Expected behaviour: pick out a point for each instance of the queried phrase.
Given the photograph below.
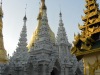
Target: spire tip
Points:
(1, 3)
(60, 14)
(25, 9)
(43, 4)
(25, 18)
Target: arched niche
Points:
(30, 69)
(56, 69)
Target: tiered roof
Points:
(86, 41)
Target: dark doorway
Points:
(52, 73)
(55, 72)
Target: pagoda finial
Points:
(60, 14)
(39, 15)
(43, 1)
(39, 5)
(25, 18)
(60, 21)
(3, 54)
(25, 9)
(22, 50)
(1, 2)
(43, 4)
(1, 13)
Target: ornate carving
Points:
(94, 67)
(91, 69)
(85, 47)
(84, 41)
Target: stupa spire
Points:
(35, 36)
(43, 4)
(61, 31)
(60, 14)
(23, 34)
(1, 12)
(25, 18)
(60, 21)
(3, 55)
(62, 41)
(44, 20)
(44, 35)
(1, 3)
(63, 44)
(21, 53)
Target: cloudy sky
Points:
(14, 11)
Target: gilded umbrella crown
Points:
(43, 4)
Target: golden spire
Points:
(43, 4)
(40, 12)
(3, 55)
(1, 15)
(36, 33)
(1, 12)
(43, 7)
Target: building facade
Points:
(87, 43)
(45, 54)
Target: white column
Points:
(66, 71)
(48, 73)
(44, 69)
(60, 52)
(62, 71)
(35, 71)
(25, 73)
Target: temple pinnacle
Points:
(1, 13)
(1, 2)
(60, 14)
(43, 1)
(3, 53)
(25, 18)
(43, 4)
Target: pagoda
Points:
(3, 54)
(87, 43)
(36, 33)
(21, 53)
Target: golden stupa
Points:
(3, 54)
(87, 43)
(35, 34)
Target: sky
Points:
(14, 11)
